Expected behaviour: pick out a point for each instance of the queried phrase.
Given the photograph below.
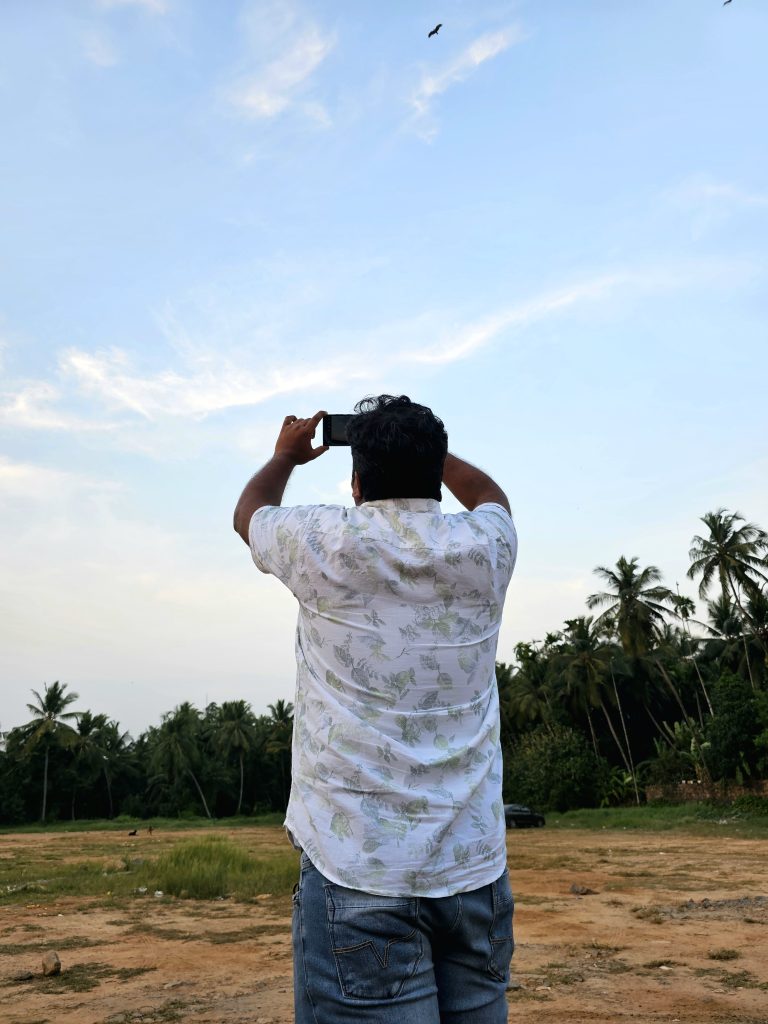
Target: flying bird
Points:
(726, 2)
(437, 27)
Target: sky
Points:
(549, 222)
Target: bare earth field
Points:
(675, 930)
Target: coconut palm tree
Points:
(733, 555)
(235, 732)
(280, 738)
(50, 725)
(116, 756)
(583, 665)
(528, 697)
(635, 600)
(86, 753)
(175, 751)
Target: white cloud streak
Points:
(433, 84)
(208, 381)
(99, 49)
(297, 48)
(35, 405)
(151, 6)
(39, 483)
(699, 191)
(202, 390)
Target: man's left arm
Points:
(293, 448)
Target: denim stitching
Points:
(297, 905)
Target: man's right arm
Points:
(471, 486)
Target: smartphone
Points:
(335, 428)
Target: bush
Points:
(750, 803)
(216, 867)
(555, 769)
(738, 731)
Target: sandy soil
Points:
(676, 930)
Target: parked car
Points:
(518, 816)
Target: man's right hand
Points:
(295, 439)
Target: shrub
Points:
(750, 803)
(738, 731)
(216, 867)
(555, 769)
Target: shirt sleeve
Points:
(274, 536)
(500, 527)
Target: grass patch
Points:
(72, 942)
(724, 954)
(700, 818)
(215, 868)
(651, 914)
(79, 978)
(206, 867)
(124, 824)
(731, 979)
(173, 1010)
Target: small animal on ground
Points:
(134, 833)
(437, 28)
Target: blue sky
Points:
(549, 223)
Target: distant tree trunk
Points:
(626, 739)
(240, 799)
(199, 790)
(109, 792)
(45, 785)
(592, 732)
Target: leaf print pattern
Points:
(396, 774)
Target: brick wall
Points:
(687, 792)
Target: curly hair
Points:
(398, 448)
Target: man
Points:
(403, 911)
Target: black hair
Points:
(398, 448)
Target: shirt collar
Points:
(405, 504)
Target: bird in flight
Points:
(726, 2)
(437, 27)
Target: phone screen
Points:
(335, 428)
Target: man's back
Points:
(396, 760)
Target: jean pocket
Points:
(376, 943)
(500, 933)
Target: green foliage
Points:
(752, 805)
(216, 867)
(554, 769)
(738, 729)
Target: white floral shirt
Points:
(396, 755)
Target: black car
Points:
(517, 816)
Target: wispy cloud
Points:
(433, 84)
(702, 190)
(36, 405)
(152, 6)
(99, 49)
(711, 203)
(28, 480)
(287, 53)
(206, 380)
(201, 390)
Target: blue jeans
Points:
(400, 960)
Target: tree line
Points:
(649, 689)
(70, 764)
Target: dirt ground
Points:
(675, 930)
